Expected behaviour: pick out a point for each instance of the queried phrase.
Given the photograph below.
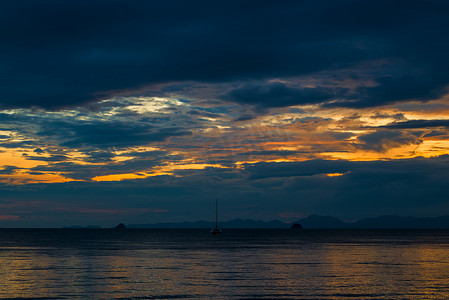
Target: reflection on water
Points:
(331, 264)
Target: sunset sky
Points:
(147, 111)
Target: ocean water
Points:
(239, 264)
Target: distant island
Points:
(317, 222)
(120, 227)
(296, 226)
(310, 222)
(236, 223)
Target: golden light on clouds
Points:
(119, 177)
(153, 104)
(432, 148)
(159, 171)
(288, 134)
(15, 157)
(25, 178)
(335, 174)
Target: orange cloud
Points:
(334, 174)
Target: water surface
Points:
(239, 264)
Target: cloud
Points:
(116, 134)
(393, 89)
(418, 124)
(278, 94)
(411, 186)
(51, 158)
(21, 144)
(94, 131)
(382, 141)
(208, 91)
(8, 170)
(293, 169)
(136, 162)
(50, 59)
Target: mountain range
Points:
(316, 222)
(236, 223)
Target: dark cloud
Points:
(99, 156)
(287, 169)
(8, 170)
(139, 162)
(66, 53)
(48, 159)
(441, 135)
(39, 151)
(278, 95)
(391, 89)
(224, 60)
(107, 134)
(382, 141)
(407, 187)
(22, 144)
(202, 113)
(270, 152)
(398, 116)
(417, 124)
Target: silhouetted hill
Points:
(236, 223)
(120, 227)
(197, 224)
(394, 221)
(82, 227)
(296, 226)
(315, 221)
(248, 223)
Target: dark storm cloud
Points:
(403, 87)
(270, 152)
(319, 166)
(416, 124)
(106, 134)
(48, 159)
(8, 170)
(99, 156)
(287, 169)
(434, 133)
(66, 53)
(39, 151)
(202, 113)
(278, 94)
(141, 162)
(410, 186)
(22, 144)
(398, 116)
(382, 141)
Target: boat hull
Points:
(216, 231)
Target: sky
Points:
(147, 111)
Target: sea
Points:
(238, 264)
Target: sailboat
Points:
(216, 230)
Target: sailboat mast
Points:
(216, 230)
(216, 213)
